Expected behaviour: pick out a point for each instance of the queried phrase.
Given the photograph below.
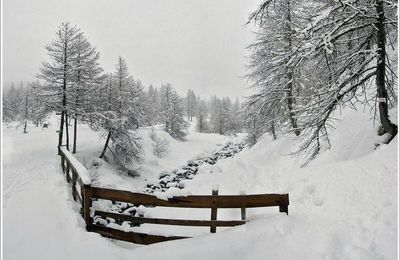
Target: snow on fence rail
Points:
(88, 193)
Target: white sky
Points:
(197, 44)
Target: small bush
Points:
(160, 146)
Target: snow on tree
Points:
(59, 74)
(274, 66)
(202, 116)
(150, 102)
(349, 41)
(23, 104)
(13, 100)
(87, 75)
(237, 120)
(120, 119)
(25, 108)
(221, 115)
(257, 123)
(38, 109)
(172, 112)
(191, 104)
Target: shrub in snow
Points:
(160, 145)
(127, 148)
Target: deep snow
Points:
(342, 206)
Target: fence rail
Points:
(86, 194)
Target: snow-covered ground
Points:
(196, 145)
(342, 206)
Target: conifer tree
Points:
(58, 74)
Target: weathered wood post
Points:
(87, 204)
(83, 200)
(243, 209)
(74, 177)
(62, 162)
(67, 172)
(213, 227)
(284, 204)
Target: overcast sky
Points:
(197, 44)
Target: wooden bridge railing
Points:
(75, 174)
(213, 202)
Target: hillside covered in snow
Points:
(342, 206)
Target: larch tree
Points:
(202, 116)
(172, 112)
(349, 43)
(13, 100)
(257, 123)
(153, 105)
(58, 74)
(87, 75)
(274, 65)
(191, 104)
(26, 104)
(38, 109)
(120, 120)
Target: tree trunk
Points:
(26, 111)
(60, 132)
(289, 88)
(64, 101)
(273, 126)
(66, 130)
(106, 145)
(291, 102)
(254, 129)
(75, 132)
(76, 117)
(380, 73)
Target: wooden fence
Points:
(86, 193)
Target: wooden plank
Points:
(194, 201)
(175, 222)
(134, 237)
(213, 227)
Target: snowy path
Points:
(40, 219)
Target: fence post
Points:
(213, 227)
(62, 162)
(243, 209)
(83, 200)
(284, 204)
(74, 176)
(67, 172)
(87, 204)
